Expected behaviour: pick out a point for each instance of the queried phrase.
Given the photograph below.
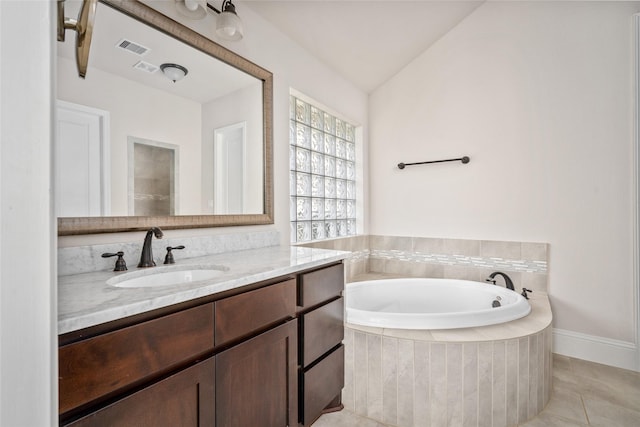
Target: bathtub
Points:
(412, 303)
(416, 353)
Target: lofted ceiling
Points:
(366, 41)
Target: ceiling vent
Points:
(132, 47)
(145, 66)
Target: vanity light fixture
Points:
(192, 9)
(174, 72)
(228, 25)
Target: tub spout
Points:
(507, 280)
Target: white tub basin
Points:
(148, 279)
(414, 303)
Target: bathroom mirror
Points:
(137, 149)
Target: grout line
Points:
(584, 408)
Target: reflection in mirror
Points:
(133, 142)
(153, 181)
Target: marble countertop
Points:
(86, 299)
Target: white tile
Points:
(567, 404)
(470, 385)
(604, 414)
(360, 373)
(485, 384)
(533, 376)
(345, 418)
(406, 377)
(512, 381)
(374, 376)
(389, 380)
(421, 407)
(504, 250)
(523, 379)
(499, 384)
(438, 384)
(462, 247)
(347, 391)
(454, 384)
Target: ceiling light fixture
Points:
(174, 72)
(229, 26)
(192, 9)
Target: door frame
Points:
(104, 118)
(636, 189)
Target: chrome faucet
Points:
(507, 280)
(146, 258)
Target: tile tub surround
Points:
(526, 263)
(85, 259)
(497, 375)
(358, 262)
(86, 300)
(584, 394)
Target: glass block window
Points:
(322, 156)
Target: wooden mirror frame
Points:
(112, 224)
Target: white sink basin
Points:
(145, 279)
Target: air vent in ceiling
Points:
(132, 47)
(145, 66)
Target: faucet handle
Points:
(121, 265)
(168, 259)
(490, 280)
(524, 292)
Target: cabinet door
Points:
(185, 399)
(256, 381)
(322, 329)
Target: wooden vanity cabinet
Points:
(270, 356)
(182, 369)
(321, 331)
(256, 381)
(183, 399)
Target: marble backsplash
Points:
(85, 259)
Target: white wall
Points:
(28, 362)
(539, 95)
(292, 67)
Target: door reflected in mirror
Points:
(132, 142)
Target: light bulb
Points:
(228, 31)
(192, 9)
(192, 5)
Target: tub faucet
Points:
(146, 258)
(507, 280)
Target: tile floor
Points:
(584, 394)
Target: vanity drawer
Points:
(323, 329)
(183, 399)
(101, 365)
(321, 285)
(251, 311)
(322, 384)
